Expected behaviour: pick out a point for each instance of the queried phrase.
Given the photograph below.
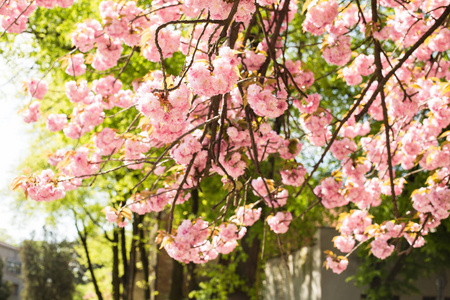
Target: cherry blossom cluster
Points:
(195, 242)
(14, 13)
(206, 80)
(240, 101)
(43, 187)
(37, 89)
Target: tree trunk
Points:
(132, 262)
(83, 239)
(176, 287)
(158, 220)
(115, 271)
(248, 269)
(125, 264)
(144, 260)
(191, 276)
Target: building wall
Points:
(12, 268)
(303, 276)
(429, 288)
(333, 285)
(295, 278)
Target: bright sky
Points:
(16, 138)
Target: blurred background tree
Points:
(5, 287)
(47, 268)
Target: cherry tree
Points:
(240, 100)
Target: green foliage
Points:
(101, 257)
(5, 287)
(385, 279)
(222, 278)
(51, 28)
(47, 271)
(397, 274)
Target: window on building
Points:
(13, 266)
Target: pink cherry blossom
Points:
(319, 16)
(294, 177)
(44, 187)
(56, 122)
(338, 51)
(37, 88)
(32, 114)
(248, 215)
(344, 243)
(308, 105)
(264, 103)
(337, 265)
(381, 249)
(76, 66)
(280, 222)
(328, 191)
(107, 141)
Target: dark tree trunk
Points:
(115, 272)
(132, 262)
(144, 260)
(191, 276)
(176, 287)
(158, 219)
(83, 238)
(248, 269)
(124, 263)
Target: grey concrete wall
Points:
(429, 288)
(333, 285)
(305, 278)
(295, 278)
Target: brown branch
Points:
(83, 238)
(172, 209)
(411, 50)
(15, 21)
(161, 56)
(170, 147)
(379, 74)
(335, 134)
